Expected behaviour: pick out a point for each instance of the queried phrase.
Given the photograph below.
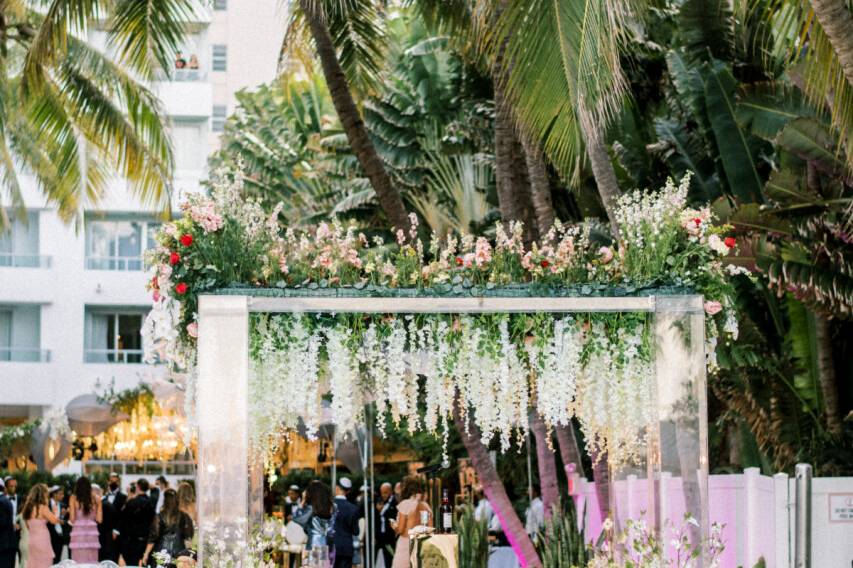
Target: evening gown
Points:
(411, 509)
(39, 547)
(84, 537)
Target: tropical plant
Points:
(69, 114)
(473, 538)
(562, 541)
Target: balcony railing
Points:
(125, 263)
(113, 356)
(184, 75)
(24, 355)
(24, 260)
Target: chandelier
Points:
(150, 434)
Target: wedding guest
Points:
(193, 61)
(115, 496)
(57, 532)
(398, 491)
(291, 502)
(316, 514)
(36, 514)
(386, 538)
(107, 528)
(345, 524)
(8, 544)
(135, 525)
(186, 499)
(12, 494)
(535, 514)
(85, 514)
(408, 516)
(180, 62)
(172, 529)
(160, 485)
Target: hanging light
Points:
(151, 434)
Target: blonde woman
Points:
(36, 515)
(186, 499)
(408, 517)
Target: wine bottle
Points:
(446, 513)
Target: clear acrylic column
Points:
(671, 479)
(223, 444)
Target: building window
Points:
(114, 335)
(219, 61)
(20, 334)
(19, 243)
(220, 113)
(220, 5)
(117, 244)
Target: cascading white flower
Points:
(557, 368)
(343, 381)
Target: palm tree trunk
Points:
(826, 374)
(837, 23)
(547, 465)
(601, 475)
(493, 487)
(339, 90)
(540, 185)
(569, 449)
(605, 177)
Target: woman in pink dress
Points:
(408, 517)
(86, 514)
(36, 513)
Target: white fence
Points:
(758, 516)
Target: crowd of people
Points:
(339, 522)
(93, 524)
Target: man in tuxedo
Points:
(57, 532)
(135, 524)
(12, 494)
(8, 542)
(161, 484)
(346, 524)
(107, 527)
(386, 511)
(115, 495)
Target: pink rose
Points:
(192, 329)
(712, 308)
(606, 254)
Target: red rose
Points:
(186, 240)
(730, 242)
(174, 258)
(697, 220)
(459, 261)
(181, 287)
(154, 284)
(544, 264)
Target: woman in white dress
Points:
(408, 516)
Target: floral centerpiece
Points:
(596, 367)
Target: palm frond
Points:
(148, 33)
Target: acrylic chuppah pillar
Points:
(673, 479)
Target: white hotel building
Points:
(72, 301)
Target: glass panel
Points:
(5, 335)
(129, 245)
(98, 337)
(111, 338)
(99, 239)
(151, 240)
(130, 338)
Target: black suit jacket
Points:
(383, 521)
(346, 526)
(119, 500)
(109, 522)
(136, 520)
(8, 541)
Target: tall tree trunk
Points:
(605, 177)
(339, 90)
(837, 23)
(540, 184)
(826, 373)
(601, 474)
(547, 465)
(494, 490)
(569, 449)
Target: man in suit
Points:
(346, 524)
(8, 543)
(135, 524)
(161, 484)
(12, 494)
(115, 495)
(57, 532)
(386, 511)
(107, 527)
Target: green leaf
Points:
(733, 143)
(765, 108)
(811, 141)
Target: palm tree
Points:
(69, 114)
(339, 88)
(836, 19)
